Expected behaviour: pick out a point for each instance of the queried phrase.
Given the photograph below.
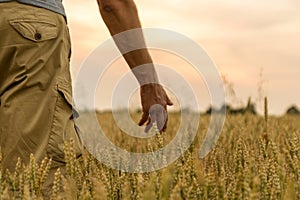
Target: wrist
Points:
(146, 74)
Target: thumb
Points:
(169, 101)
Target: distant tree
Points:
(225, 108)
(293, 110)
(209, 110)
(250, 108)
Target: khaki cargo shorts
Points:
(36, 109)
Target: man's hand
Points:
(154, 102)
(120, 16)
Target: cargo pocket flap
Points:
(35, 30)
(68, 97)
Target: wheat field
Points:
(255, 158)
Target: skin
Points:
(120, 16)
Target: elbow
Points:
(115, 6)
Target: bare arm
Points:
(120, 16)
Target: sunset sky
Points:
(244, 38)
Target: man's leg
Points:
(35, 85)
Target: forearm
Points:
(120, 16)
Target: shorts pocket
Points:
(65, 92)
(63, 126)
(35, 30)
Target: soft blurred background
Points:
(255, 44)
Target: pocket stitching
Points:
(25, 25)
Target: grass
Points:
(245, 164)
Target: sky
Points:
(255, 45)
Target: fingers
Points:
(161, 124)
(158, 114)
(144, 118)
(160, 118)
(164, 129)
(149, 124)
(154, 102)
